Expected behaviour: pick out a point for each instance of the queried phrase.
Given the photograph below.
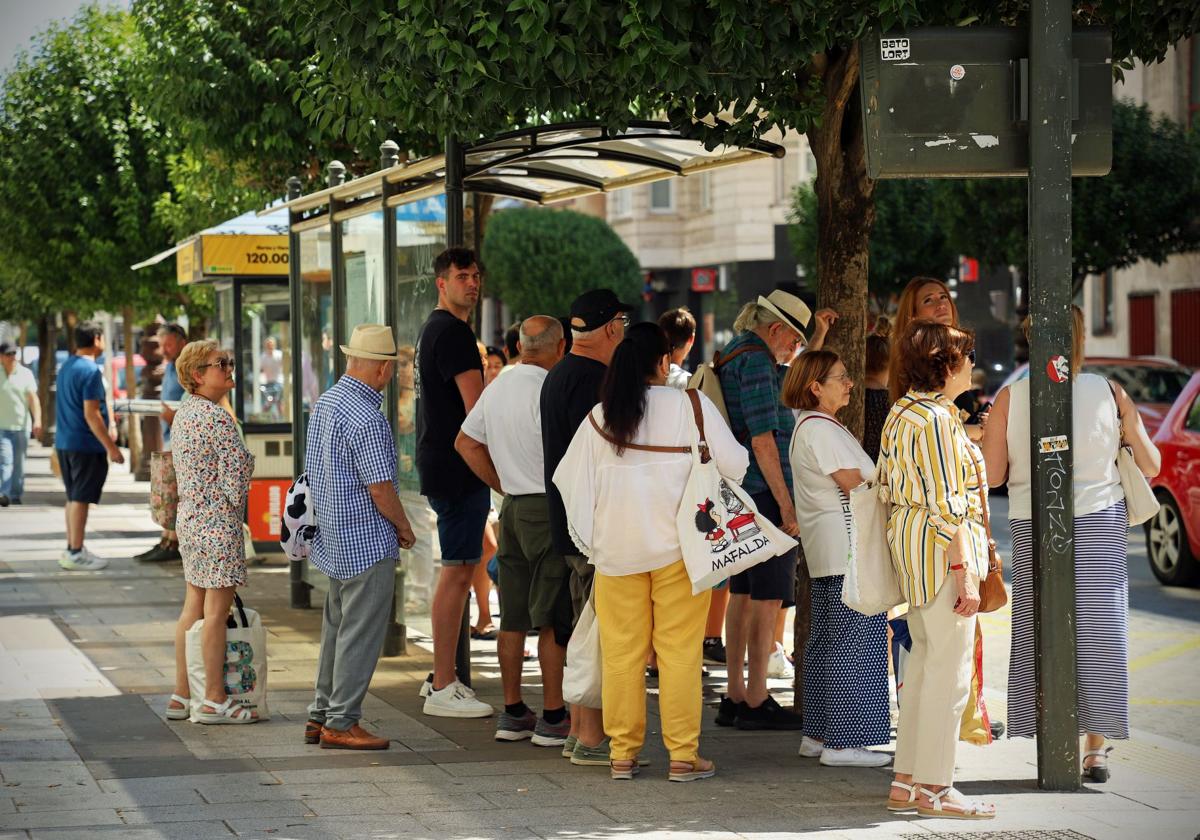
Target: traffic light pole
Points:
(1050, 68)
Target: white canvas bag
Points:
(245, 661)
(721, 532)
(582, 676)
(871, 585)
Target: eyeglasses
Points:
(841, 377)
(971, 356)
(224, 363)
(623, 318)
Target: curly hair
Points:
(191, 360)
(929, 352)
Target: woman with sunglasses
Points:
(213, 469)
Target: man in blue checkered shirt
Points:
(350, 458)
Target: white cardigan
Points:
(621, 509)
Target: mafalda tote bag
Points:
(721, 532)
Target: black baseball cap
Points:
(595, 308)
(7, 349)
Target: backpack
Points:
(299, 524)
(707, 378)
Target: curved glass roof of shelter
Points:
(543, 164)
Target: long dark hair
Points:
(623, 394)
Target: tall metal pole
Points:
(337, 269)
(300, 597)
(1050, 68)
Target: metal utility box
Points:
(953, 102)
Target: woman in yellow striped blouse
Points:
(939, 548)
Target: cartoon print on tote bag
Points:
(741, 524)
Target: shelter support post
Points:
(300, 589)
(1050, 392)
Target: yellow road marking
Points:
(1156, 701)
(1163, 654)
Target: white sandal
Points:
(227, 712)
(1098, 772)
(179, 714)
(964, 809)
(907, 805)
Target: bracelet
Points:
(958, 567)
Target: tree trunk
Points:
(845, 215)
(47, 363)
(134, 429)
(69, 320)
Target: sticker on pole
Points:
(957, 72)
(1058, 369)
(1054, 443)
(893, 49)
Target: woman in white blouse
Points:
(845, 659)
(621, 502)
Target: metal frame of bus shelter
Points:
(541, 164)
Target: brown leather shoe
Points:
(354, 738)
(312, 732)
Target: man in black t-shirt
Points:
(571, 390)
(448, 381)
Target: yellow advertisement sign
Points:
(186, 262)
(227, 255)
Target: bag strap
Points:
(241, 609)
(1120, 430)
(698, 416)
(720, 361)
(681, 450)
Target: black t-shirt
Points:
(445, 348)
(571, 390)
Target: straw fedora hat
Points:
(787, 308)
(372, 341)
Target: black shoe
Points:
(651, 672)
(16, 501)
(727, 712)
(714, 650)
(997, 728)
(152, 554)
(4, 501)
(172, 553)
(770, 715)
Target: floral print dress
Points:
(213, 469)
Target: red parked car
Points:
(1173, 535)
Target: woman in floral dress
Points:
(213, 469)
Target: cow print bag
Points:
(299, 520)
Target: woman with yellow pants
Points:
(622, 481)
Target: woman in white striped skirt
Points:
(1104, 417)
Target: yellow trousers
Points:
(634, 610)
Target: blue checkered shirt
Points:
(350, 446)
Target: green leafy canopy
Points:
(539, 260)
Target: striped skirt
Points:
(1102, 626)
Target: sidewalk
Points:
(86, 664)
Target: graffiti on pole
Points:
(1057, 537)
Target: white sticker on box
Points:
(893, 49)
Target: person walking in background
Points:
(876, 400)
(643, 597)
(85, 441)
(20, 414)
(172, 338)
(845, 659)
(939, 547)
(449, 381)
(680, 327)
(494, 361)
(501, 441)
(350, 457)
(572, 388)
(768, 333)
(1104, 417)
(213, 468)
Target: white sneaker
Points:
(778, 667)
(81, 561)
(854, 757)
(810, 747)
(427, 687)
(456, 701)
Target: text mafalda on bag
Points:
(731, 530)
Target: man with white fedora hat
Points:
(350, 457)
(768, 335)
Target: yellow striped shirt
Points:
(933, 473)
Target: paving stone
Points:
(263, 792)
(148, 786)
(62, 819)
(393, 827)
(206, 830)
(224, 811)
(421, 773)
(26, 750)
(503, 768)
(416, 805)
(65, 799)
(503, 818)
(44, 773)
(514, 784)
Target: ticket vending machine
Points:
(245, 261)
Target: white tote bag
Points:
(720, 530)
(1140, 501)
(871, 585)
(582, 675)
(245, 661)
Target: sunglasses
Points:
(225, 363)
(971, 356)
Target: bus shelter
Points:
(362, 252)
(245, 262)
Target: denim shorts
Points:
(460, 522)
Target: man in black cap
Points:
(571, 390)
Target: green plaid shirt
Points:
(751, 385)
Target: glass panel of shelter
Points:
(316, 320)
(226, 325)
(266, 365)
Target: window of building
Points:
(705, 191)
(1194, 83)
(662, 196)
(781, 180)
(620, 204)
(1102, 303)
